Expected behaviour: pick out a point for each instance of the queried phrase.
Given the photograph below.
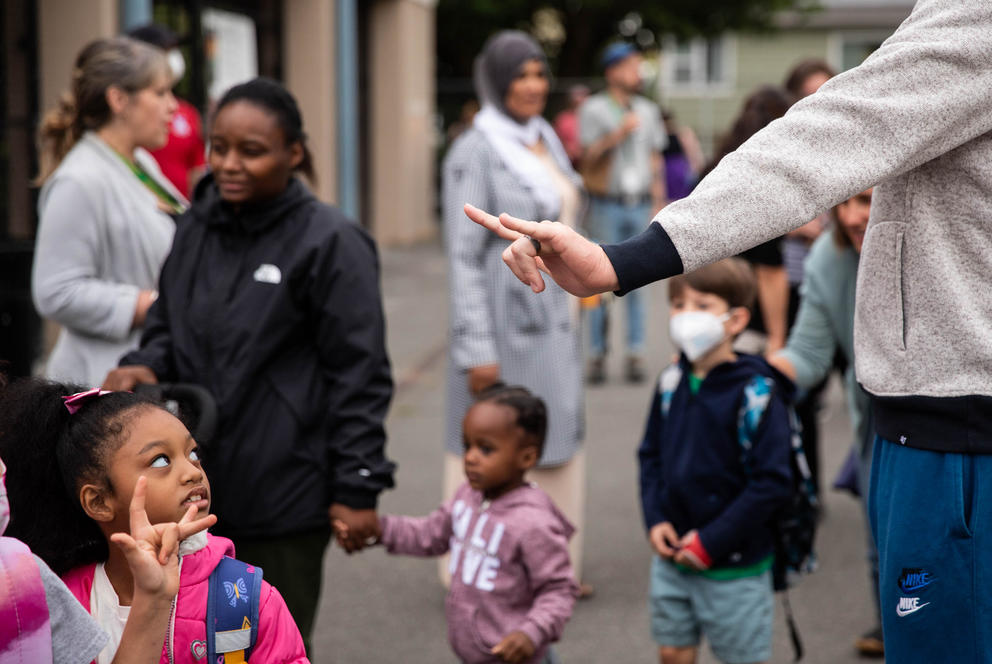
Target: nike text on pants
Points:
(931, 514)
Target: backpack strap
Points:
(668, 382)
(232, 610)
(754, 403)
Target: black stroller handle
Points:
(191, 403)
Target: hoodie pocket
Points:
(485, 635)
(881, 294)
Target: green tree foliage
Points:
(582, 27)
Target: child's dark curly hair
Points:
(532, 415)
(49, 455)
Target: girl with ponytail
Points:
(105, 209)
(94, 475)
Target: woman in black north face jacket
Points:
(270, 299)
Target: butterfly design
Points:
(235, 591)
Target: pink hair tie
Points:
(74, 402)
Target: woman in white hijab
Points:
(511, 160)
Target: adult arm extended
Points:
(349, 331)
(809, 353)
(66, 281)
(925, 91)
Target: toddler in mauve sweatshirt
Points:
(512, 587)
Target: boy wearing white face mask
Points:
(707, 503)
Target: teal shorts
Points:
(734, 615)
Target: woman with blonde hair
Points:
(105, 209)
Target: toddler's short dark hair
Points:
(730, 279)
(532, 415)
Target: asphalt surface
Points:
(384, 609)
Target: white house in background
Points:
(704, 81)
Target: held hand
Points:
(576, 264)
(515, 647)
(123, 379)
(687, 555)
(152, 551)
(664, 539)
(355, 529)
(479, 378)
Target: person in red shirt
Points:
(182, 157)
(567, 123)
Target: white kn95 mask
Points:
(697, 332)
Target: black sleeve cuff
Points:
(644, 258)
(356, 499)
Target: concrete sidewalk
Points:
(382, 609)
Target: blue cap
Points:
(616, 52)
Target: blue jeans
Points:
(609, 223)
(932, 519)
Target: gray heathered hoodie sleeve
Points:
(924, 92)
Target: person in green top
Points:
(706, 509)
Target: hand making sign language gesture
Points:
(576, 264)
(152, 554)
(152, 551)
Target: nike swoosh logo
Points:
(903, 613)
(913, 588)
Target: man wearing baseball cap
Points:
(622, 137)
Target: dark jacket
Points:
(691, 468)
(276, 311)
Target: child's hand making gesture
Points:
(152, 551)
(515, 647)
(152, 554)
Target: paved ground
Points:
(382, 609)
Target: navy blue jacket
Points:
(691, 468)
(276, 310)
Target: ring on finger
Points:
(535, 243)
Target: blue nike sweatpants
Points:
(931, 515)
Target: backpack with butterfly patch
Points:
(232, 611)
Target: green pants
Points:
(294, 565)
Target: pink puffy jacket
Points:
(278, 639)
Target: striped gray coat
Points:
(495, 319)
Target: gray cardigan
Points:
(913, 119)
(101, 240)
(495, 319)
